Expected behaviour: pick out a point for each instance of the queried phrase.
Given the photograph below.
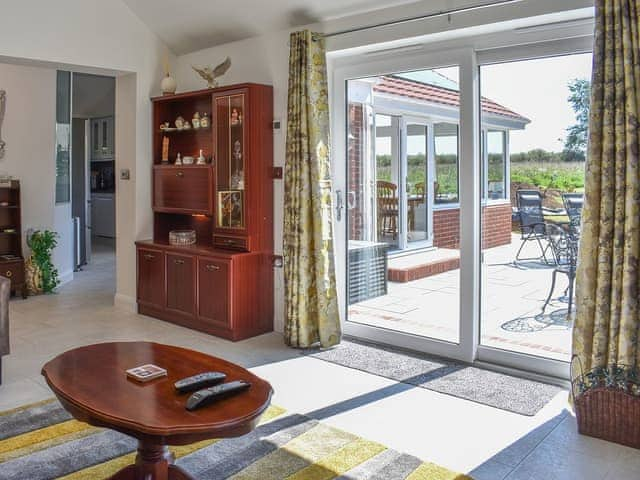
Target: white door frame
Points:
(468, 349)
(362, 67)
(430, 174)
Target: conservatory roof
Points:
(438, 94)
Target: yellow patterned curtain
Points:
(311, 306)
(607, 321)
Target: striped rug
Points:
(41, 441)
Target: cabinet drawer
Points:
(213, 291)
(14, 271)
(181, 283)
(183, 189)
(231, 242)
(151, 277)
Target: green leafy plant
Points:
(42, 243)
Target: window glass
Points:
(447, 161)
(63, 136)
(496, 164)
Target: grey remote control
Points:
(210, 395)
(199, 381)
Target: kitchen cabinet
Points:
(103, 215)
(102, 138)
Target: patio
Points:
(513, 296)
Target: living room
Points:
(235, 214)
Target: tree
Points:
(575, 145)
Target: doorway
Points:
(93, 169)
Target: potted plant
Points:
(42, 276)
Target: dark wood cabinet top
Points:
(197, 249)
(92, 383)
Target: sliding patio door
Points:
(401, 289)
(457, 133)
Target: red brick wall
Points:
(446, 228)
(355, 187)
(496, 226)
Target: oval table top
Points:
(91, 382)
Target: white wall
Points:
(101, 37)
(264, 59)
(29, 131)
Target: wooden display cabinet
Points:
(11, 259)
(224, 283)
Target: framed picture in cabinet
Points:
(230, 209)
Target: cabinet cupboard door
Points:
(151, 277)
(213, 291)
(181, 283)
(183, 190)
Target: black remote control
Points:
(210, 395)
(201, 380)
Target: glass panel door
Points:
(418, 184)
(535, 162)
(401, 283)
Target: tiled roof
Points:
(435, 94)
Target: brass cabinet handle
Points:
(148, 256)
(178, 261)
(8, 274)
(229, 241)
(212, 268)
(180, 174)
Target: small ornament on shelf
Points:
(165, 150)
(204, 121)
(195, 121)
(235, 117)
(168, 84)
(201, 159)
(179, 123)
(178, 159)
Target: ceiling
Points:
(189, 26)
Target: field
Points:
(550, 177)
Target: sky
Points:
(537, 89)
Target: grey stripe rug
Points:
(506, 392)
(42, 442)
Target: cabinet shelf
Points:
(174, 131)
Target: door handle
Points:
(339, 205)
(178, 261)
(148, 256)
(180, 174)
(212, 268)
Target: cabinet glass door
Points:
(230, 116)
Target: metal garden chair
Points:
(532, 224)
(564, 247)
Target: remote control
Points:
(201, 380)
(209, 395)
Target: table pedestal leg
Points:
(153, 462)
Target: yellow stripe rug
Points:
(41, 441)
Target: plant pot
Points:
(33, 276)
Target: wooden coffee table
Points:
(92, 385)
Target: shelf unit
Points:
(11, 258)
(223, 284)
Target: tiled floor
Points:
(461, 435)
(513, 295)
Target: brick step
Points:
(400, 272)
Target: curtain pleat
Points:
(311, 306)
(607, 325)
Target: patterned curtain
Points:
(607, 321)
(311, 306)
